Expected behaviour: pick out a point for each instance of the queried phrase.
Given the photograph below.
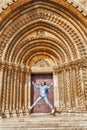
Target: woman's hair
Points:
(44, 82)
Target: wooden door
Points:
(41, 107)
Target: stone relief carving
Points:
(74, 89)
(59, 22)
(79, 4)
(41, 63)
(40, 33)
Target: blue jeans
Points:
(45, 99)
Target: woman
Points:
(43, 95)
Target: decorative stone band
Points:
(79, 6)
(14, 66)
(6, 3)
(79, 63)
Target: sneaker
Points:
(30, 107)
(53, 110)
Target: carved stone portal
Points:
(40, 38)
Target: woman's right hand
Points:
(33, 82)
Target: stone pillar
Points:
(8, 70)
(81, 94)
(67, 89)
(11, 90)
(29, 88)
(27, 93)
(14, 114)
(4, 91)
(75, 88)
(56, 91)
(1, 89)
(20, 112)
(17, 92)
(84, 69)
(72, 89)
(61, 90)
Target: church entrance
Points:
(41, 107)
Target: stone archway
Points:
(43, 30)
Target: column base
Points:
(20, 112)
(7, 114)
(13, 113)
(26, 111)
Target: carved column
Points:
(26, 92)
(72, 90)
(11, 90)
(14, 114)
(4, 91)
(7, 114)
(67, 89)
(81, 98)
(1, 86)
(56, 90)
(75, 89)
(85, 83)
(23, 90)
(17, 89)
(20, 112)
(61, 90)
(29, 86)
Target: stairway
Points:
(45, 121)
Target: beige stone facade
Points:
(43, 37)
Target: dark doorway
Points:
(41, 107)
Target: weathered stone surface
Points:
(43, 37)
(61, 121)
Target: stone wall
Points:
(39, 31)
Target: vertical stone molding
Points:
(29, 87)
(81, 99)
(61, 90)
(8, 70)
(56, 90)
(1, 87)
(13, 112)
(84, 80)
(74, 89)
(27, 92)
(17, 92)
(67, 89)
(20, 112)
(4, 91)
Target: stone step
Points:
(44, 128)
(45, 122)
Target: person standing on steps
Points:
(43, 95)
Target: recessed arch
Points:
(67, 38)
(43, 30)
(50, 51)
(39, 56)
(52, 19)
(34, 43)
